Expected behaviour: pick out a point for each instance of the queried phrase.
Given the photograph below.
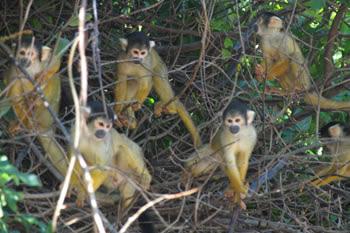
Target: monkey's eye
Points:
(143, 53)
(22, 52)
(238, 120)
(108, 126)
(229, 121)
(135, 52)
(101, 124)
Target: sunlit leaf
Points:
(74, 20)
(316, 4)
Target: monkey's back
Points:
(282, 46)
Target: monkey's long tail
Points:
(187, 120)
(54, 151)
(314, 99)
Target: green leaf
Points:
(62, 46)
(226, 53)
(37, 24)
(316, 4)
(74, 20)
(304, 124)
(228, 43)
(5, 106)
(29, 179)
(12, 197)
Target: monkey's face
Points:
(27, 55)
(138, 54)
(235, 121)
(137, 46)
(268, 24)
(100, 128)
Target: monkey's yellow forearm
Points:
(120, 92)
(232, 172)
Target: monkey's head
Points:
(335, 131)
(237, 116)
(269, 22)
(137, 46)
(100, 120)
(30, 54)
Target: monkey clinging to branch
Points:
(284, 62)
(140, 69)
(231, 148)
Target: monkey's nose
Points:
(25, 63)
(234, 129)
(100, 134)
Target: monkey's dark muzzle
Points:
(100, 134)
(234, 129)
(25, 63)
(137, 60)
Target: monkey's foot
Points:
(136, 106)
(124, 121)
(185, 177)
(80, 202)
(236, 198)
(14, 128)
(274, 91)
(160, 108)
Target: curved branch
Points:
(333, 33)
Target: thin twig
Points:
(154, 202)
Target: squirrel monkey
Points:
(101, 145)
(231, 147)
(340, 149)
(140, 69)
(284, 61)
(27, 104)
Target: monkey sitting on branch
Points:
(139, 69)
(115, 160)
(339, 147)
(230, 148)
(284, 61)
(31, 111)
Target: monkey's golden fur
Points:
(115, 159)
(27, 104)
(135, 81)
(231, 151)
(284, 61)
(340, 150)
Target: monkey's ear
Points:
(335, 131)
(152, 43)
(250, 116)
(45, 53)
(123, 43)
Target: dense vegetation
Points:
(198, 40)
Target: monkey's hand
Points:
(125, 121)
(14, 128)
(136, 106)
(236, 198)
(160, 107)
(260, 72)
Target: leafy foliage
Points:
(11, 218)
